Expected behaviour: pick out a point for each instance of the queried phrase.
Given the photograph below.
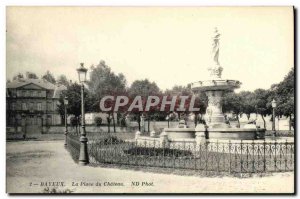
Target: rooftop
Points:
(39, 82)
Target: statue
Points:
(216, 44)
(216, 70)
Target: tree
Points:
(49, 77)
(143, 88)
(18, 76)
(200, 101)
(232, 102)
(261, 97)
(284, 95)
(105, 82)
(73, 93)
(31, 75)
(181, 91)
(62, 79)
(248, 102)
(203, 103)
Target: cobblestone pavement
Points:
(41, 166)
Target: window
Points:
(31, 106)
(13, 93)
(19, 121)
(39, 106)
(12, 120)
(44, 106)
(31, 120)
(19, 93)
(49, 120)
(24, 106)
(13, 106)
(19, 106)
(49, 106)
(35, 121)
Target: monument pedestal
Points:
(214, 115)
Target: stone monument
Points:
(216, 126)
(214, 90)
(215, 87)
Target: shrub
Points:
(108, 139)
(98, 121)
(123, 122)
(157, 152)
(112, 139)
(73, 121)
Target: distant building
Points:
(90, 117)
(31, 104)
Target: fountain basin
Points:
(180, 133)
(216, 133)
(234, 133)
(217, 84)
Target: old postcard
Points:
(150, 100)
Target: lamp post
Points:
(83, 156)
(168, 119)
(66, 102)
(273, 124)
(24, 130)
(256, 112)
(143, 123)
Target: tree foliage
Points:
(144, 88)
(18, 76)
(232, 102)
(31, 75)
(103, 81)
(73, 93)
(62, 79)
(284, 95)
(49, 77)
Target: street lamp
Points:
(24, 130)
(168, 119)
(143, 123)
(256, 112)
(66, 102)
(82, 73)
(273, 124)
(83, 156)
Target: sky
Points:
(168, 45)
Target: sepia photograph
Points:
(150, 100)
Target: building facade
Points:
(31, 105)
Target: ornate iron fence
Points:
(281, 133)
(230, 157)
(73, 146)
(217, 157)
